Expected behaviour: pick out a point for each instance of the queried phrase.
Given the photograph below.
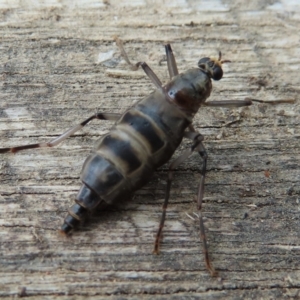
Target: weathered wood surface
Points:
(53, 76)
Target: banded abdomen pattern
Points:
(124, 159)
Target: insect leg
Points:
(59, 139)
(245, 102)
(193, 135)
(229, 103)
(149, 72)
(279, 101)
(172, 66)
(173, 165)
(197, 146)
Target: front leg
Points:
(149, 72)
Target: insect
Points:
(144, 138)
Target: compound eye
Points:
(217, 73)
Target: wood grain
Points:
(59, 65)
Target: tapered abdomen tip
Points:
(65, 229)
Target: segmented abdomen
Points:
(143, 139)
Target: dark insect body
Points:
(144, 138)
